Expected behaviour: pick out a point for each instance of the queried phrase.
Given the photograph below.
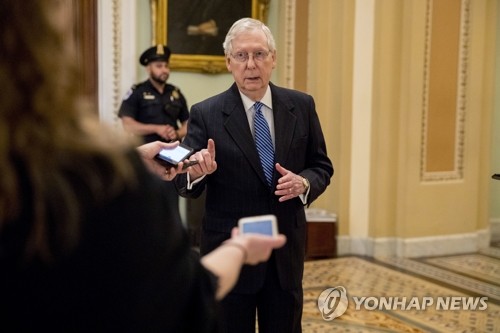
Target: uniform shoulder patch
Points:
(128, 94)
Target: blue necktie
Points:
(263, 142)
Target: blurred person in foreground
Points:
(270, 158)
(83, 243)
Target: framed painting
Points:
(194, 30)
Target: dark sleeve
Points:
(319, 168)
(197, 139)
(184, 113)
(147, 273)
(130, 104)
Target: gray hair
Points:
(245, 25)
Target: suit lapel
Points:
(236, 124)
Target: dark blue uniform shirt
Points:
(146, 105)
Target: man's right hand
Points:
(206, 161)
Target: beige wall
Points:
(495, 126)
(330, 82)
(420, 180)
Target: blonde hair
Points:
(51, 143)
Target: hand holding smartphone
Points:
(173, 156)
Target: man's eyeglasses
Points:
(260, 55)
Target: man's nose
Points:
(250, 61)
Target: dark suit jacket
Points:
(238, 187)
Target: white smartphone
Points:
(262, 224)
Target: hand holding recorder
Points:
(257, 236)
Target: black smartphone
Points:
(189, 163)
(171, 157)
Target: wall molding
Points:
(286, 44)
(116, 55)
(462, 84)
(414, 247)
(495, 229)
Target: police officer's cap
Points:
(154, 53)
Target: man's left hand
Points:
(290, 185)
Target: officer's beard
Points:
(158, 79)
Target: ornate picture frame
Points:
(195, 29)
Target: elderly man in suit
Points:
(265, 154)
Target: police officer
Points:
(155, 109)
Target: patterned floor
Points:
(396, 291)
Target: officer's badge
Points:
(175, 94)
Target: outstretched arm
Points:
(226, 260)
